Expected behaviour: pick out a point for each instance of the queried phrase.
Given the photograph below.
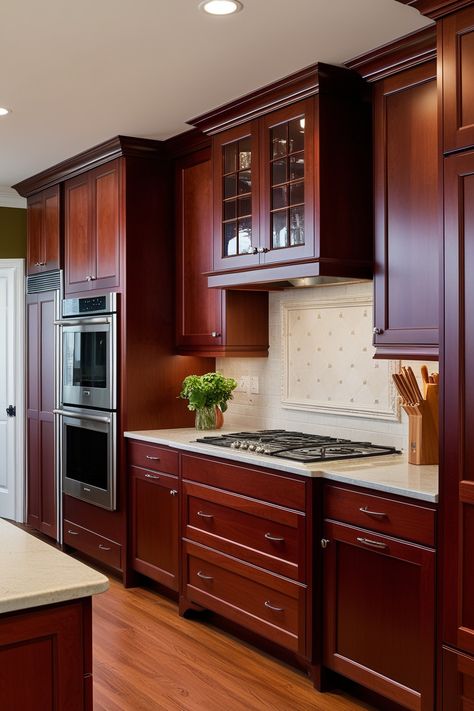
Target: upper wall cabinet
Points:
(407, 215)
(92, 229)
(457, 48)
(43, 231)
(292, 181)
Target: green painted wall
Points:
(12, 232)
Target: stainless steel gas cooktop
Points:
(298, 446)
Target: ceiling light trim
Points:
(233, 6)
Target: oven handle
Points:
(75, 415)
(84, 322)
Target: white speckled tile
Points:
(390, 473)
(33, 573)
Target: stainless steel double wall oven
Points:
(88, 396)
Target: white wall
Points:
(265, 409)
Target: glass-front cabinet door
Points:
(236, 213)
(287, 175)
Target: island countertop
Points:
(389, 473)
(34, 573)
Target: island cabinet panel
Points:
(92, 229)
(379, 603)
(46, 658)
(41, 469)
(209, 322)
(457, 486)
(43, 231)
(457, 61)
(458, 681)
(408, 224)
(247, 551)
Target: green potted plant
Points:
(205, 393)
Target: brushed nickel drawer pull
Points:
(375, 514)
(153, 459)
(375, 544)
(151, 476)
(277, 539)
(272, 607)
(104, 548)
(202, 575)
(73, 533)
(202, 514)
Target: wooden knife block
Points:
(423, 428)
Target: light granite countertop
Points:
(33, 573)
(389, 473)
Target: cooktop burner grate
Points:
(298, 446)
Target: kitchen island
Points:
(45, 625)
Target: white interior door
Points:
(12, 326)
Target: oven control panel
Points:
(89, 305)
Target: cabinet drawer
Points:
(266, 604)
(277, 489)
(168, 481)
(149, 456)
(255, 531)
(90, 543)
(396, 518)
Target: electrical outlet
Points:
(243, 384)
(254, 385)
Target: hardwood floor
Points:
(147, 658)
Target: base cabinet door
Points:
(155, 525)
(379, 613)
(458, 681)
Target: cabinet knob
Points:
(40, 264)
(215, 334)
(252, 250)
(90, 277)
(377, 331)
(325, 542)
(262, 250)
(173, 492)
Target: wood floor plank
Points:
(147, 658)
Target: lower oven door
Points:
(88, 456)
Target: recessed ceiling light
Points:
(4, 112)
(221, 7)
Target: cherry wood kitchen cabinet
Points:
(46, 656)
(292, 181)
(92, 229)
(457, 485)
(247, 551)
(43, 225)
(210, 322)
(457, 61)
(154, 488)
(408, 225)
(379, 594)
(41, 312)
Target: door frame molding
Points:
(20, 378)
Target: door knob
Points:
(11, 411)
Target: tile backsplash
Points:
(320, 376)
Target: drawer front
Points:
(277, 489)
(90, 543)
(168, 481)
(270, 606)
(254, 531)
(149, 456)
(396, 518)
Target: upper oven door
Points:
(89, 363)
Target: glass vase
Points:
(206, 418)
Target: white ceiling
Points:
(77, 73)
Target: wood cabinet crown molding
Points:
(116, 147)
(403, 53)
(318, 78)
(437, 8)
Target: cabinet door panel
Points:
(457, 489)
(35, 234)
(379, 613)
(78, 234)
(458, 86)
(51, 228)
(106, 242)
(33, 505)
(48, 523)
(407, 217)
(199, 309)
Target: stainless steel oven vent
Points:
(49, 281)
